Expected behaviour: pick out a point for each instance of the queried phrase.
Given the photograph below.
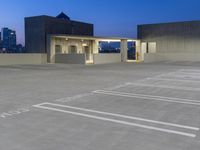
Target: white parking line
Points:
(182, 75)
(137, 81)
(19, 111)
(189, 73)
(173, 79)
(165, 86)
(189, 70)
(125, 116)
(149, 97)
(166, 74)
(119, 86)
(73, 98)
(115, 120)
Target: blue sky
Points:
(110, 17)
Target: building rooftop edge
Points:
(175, 22)
(89, 37)
(40, 16)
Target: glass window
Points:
(131, 51)
(109, 47)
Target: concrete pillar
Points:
(48, 46)
(50, 49)
(95, 46)
(138, 49)
(124, 50)
(143, 50)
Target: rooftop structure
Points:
(37, 28)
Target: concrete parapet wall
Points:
(156, 57)
(107, 58)
(16, 59)
(70, 58)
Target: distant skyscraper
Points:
(9, 41)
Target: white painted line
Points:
(189, 73)
(19, 111)
(167, 87)
(125, 116)
(72, 98)
(118, 121)
(166, 74)
(189, 70)
(173, 79)
(145, 97)
(152, 96)
(118, 86)
(182, 75)
(138, 81)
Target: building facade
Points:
(171, 41)
(65, 40)
(85, 49)
(37, 28)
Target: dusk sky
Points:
(110, 17)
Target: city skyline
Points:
(119, 20)
(8, 41)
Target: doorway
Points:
(131, 53)
(86, 50)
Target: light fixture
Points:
(84, 44)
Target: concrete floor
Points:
(100, 107)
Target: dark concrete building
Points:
(171, 41)
(38, 27)
(172, 37)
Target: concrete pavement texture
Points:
(124, 106)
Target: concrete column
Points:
(95, 46)
(48, 46)
(124, 49)
(143, 50)
(138, 49)
(50, 49)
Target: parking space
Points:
(123, 106)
